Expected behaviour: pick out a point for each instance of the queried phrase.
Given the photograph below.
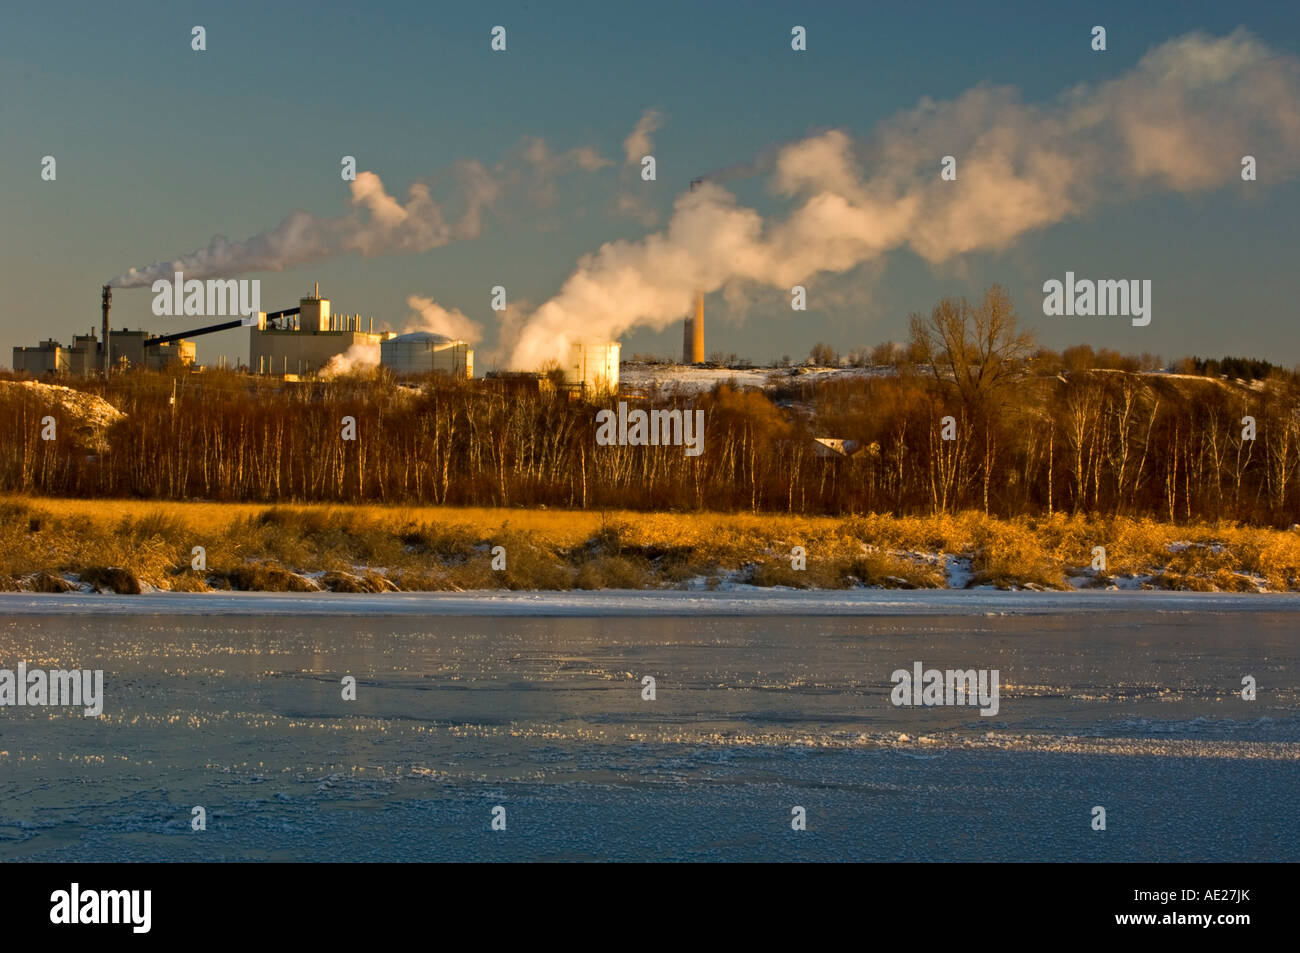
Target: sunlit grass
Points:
(257, 546)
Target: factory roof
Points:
(425, 336)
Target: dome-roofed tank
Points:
(424, 352)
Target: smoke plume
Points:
(359, 357)
(634, 196)
(434, 318)
(639, 142)
(377, 223)
(1181, 121)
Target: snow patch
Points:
(87, 408)
(958, 571)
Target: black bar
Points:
(306, 902)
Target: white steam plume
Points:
(634, 196)
(1181, 120)
(359, 357)
(377, 223)
(433, 317)
(639, 142)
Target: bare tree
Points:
(977, 349)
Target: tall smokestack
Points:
(693, 331)
(107, 304)
(697, 328)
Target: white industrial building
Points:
(423, 352)
(593, 366)
(303, 340)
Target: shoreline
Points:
(640, 603)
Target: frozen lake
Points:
(533, 702)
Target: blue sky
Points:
(160, 147)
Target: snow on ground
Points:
(1181, 546)
(957, 571)
(88, 408)
(636, 376)
(738, 601)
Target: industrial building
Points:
(422, 352)
(593, 367)
(51, 357)
(137, 349)
(129, 349)
(589, 370)
(126, 350)
(302, 340)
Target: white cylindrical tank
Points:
(422, 352)
(594, 365)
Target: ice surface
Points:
(736, 601)
(1127, 700)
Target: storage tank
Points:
(594, 365)
(423, 352)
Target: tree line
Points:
(965, 416)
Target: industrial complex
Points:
(310, 340)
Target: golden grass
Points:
(205, 515)
(365, 548)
